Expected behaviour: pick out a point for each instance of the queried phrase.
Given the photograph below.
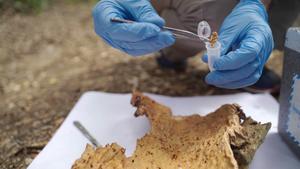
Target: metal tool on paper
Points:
(84, 131)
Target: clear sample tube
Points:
(213, 53)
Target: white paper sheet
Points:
(109, 118)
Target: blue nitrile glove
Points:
(139, 38)
(247, 42)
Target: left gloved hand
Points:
(247, 42)
(142, 37)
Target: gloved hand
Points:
(139, 38)
(247, 42)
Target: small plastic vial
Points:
(213, 54)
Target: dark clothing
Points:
(186, 14)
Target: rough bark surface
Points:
(224, 139)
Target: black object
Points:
(165, 63)
(268, 82)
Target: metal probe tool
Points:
(84, 131)
(178, 33)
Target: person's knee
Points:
(160, 5)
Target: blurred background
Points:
(50, 55)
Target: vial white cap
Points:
(204, 29)
(213, 54)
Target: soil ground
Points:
(48, 60)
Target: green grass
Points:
(32, 5)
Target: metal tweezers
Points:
(84, 131)
(178, 33)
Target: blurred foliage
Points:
(29, 5)
(86, 1)
(33, 5)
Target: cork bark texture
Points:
(224, 139)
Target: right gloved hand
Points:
(247, 43)
(139, 38)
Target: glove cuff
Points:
(260, 7)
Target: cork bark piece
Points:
(224, 139)
(213, 39)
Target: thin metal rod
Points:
(178, 33)
(186, 33)
(178, 36)
(84, 131)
